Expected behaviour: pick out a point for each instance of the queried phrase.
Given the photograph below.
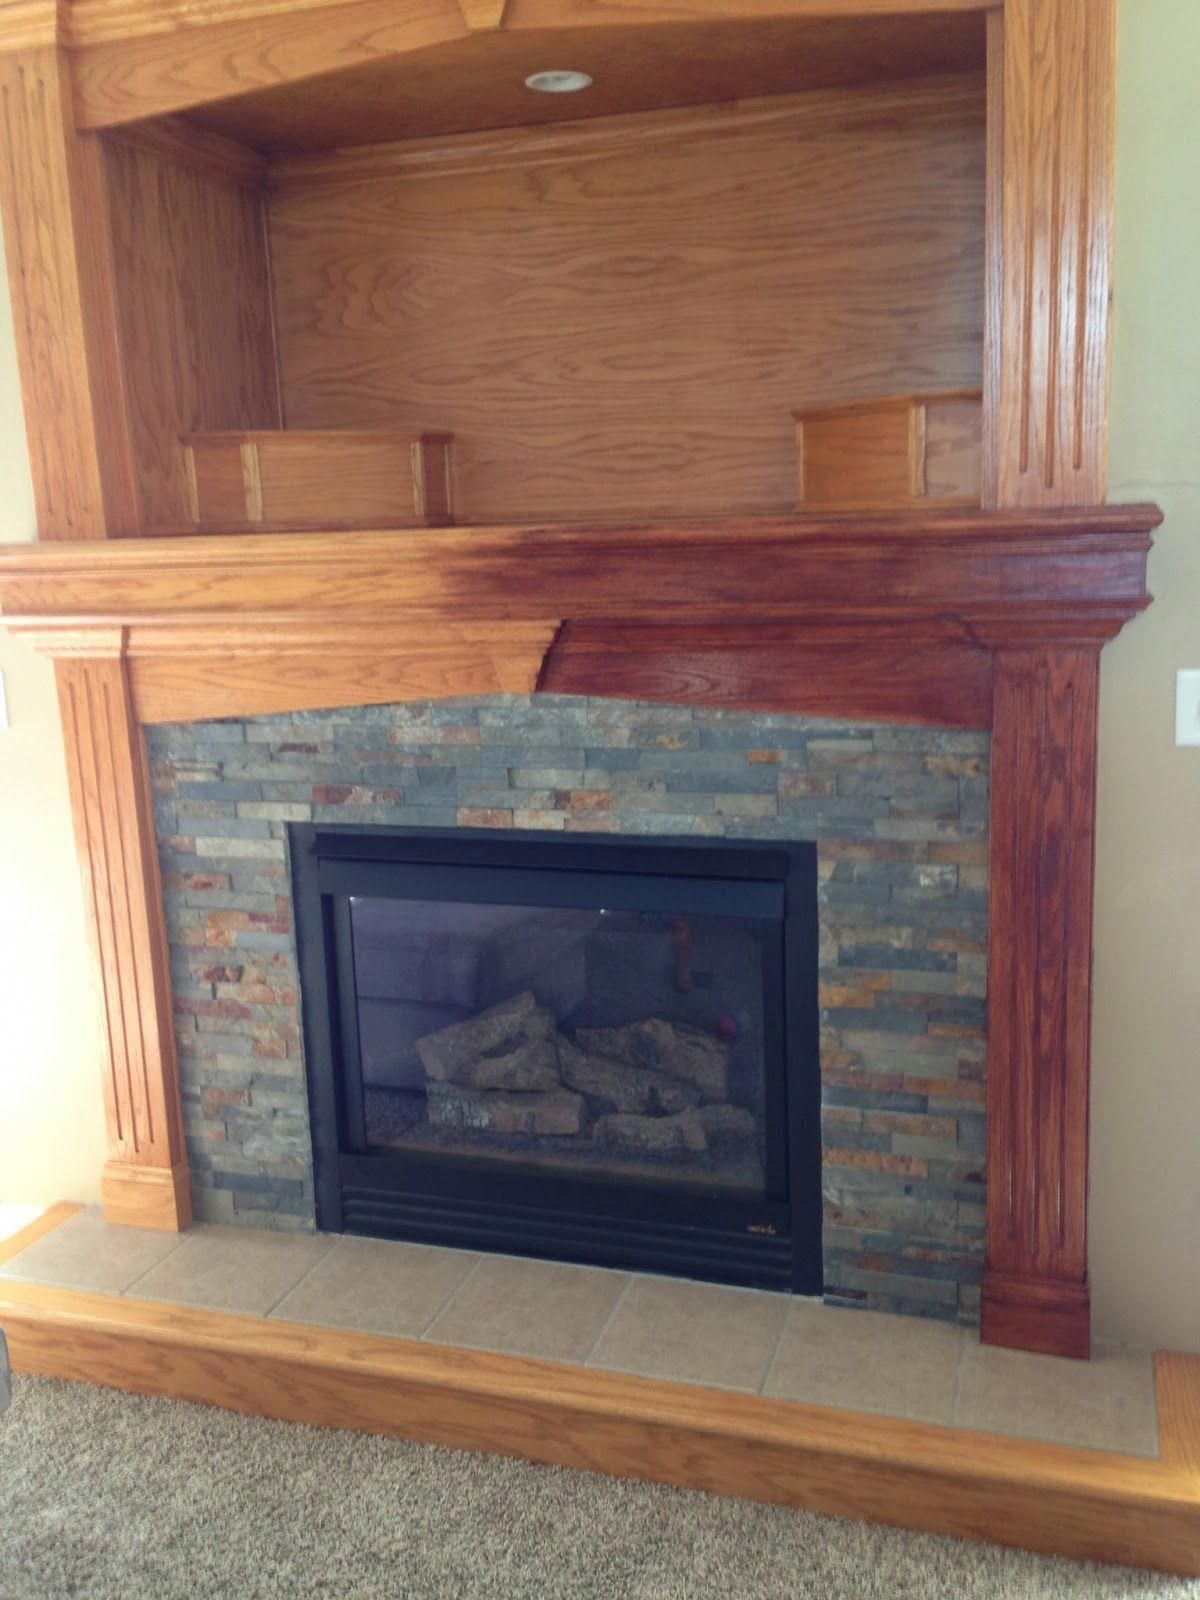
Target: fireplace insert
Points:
(600, 1050)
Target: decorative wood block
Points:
(874, 455)
(319, 478)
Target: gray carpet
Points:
(105, 1495)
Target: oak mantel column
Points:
(56, 238)
(145, 1181)
(1035, 1290)
(1051, 135)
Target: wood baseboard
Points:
(1049, 1316)
(147, 1197)
(1081, 1503)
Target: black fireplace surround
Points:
(588, 1049)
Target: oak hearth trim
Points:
(1088, 1504)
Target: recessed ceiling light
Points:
(558, 82)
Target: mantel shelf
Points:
(848, 567)
(888, 615)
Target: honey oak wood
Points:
(1042, 841)
(1177, 1380)
(195, 324)
(53, 194)
(83, 22)
(479, 83)
(1053, 132)
(878, 454)
(482, 14)
(319, 478)
(126, 80)
(12, 1244)
(1083, 1503)
(145, 1180)
(628, 334)
(179, 676)
(28, 24)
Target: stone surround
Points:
(900, 816)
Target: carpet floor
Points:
(111, 1497)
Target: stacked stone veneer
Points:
(900, 816)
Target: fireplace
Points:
(589, 1049)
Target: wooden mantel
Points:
(988, 619)
(984, 619)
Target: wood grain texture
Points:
(479, 82)
(901, 673)
(1039, 992)
(1082, 1503)
(1055, 134)
(29, 24)
(628, 334)
(1067, 574)
(196, 329)
(482, 14)
(146, 1178)
(88, 22)
(180, 675)
(319, 478)
(904, 450)
(1177, 1379)
(125, 80)
(54, 199)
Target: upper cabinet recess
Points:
(371, 216)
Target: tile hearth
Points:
(745, 1340)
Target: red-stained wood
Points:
(1039, 994)
(933, 674)
(1066, 574)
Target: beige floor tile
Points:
(867, 1361)
(85, 1252)
(693, 1333)
(1106, 1403)
(377, 1286)
(530, 1308)
(232, 1269)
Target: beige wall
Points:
(1146, 1109)
(1145, 1216)
(51, 1120)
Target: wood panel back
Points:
(621, 329)
(195, 321)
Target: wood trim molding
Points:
(53, 194)
(483, 16)
(1052, 80)
(1063, 573)
(125, 80)
(145, 1182)
(1088, 1504)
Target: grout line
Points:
(174, 1250)
(311, 1268)
(783, 1328)
(958, 1374)
(616, 1305)
(449, 1301)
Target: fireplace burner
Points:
(587, 1049)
